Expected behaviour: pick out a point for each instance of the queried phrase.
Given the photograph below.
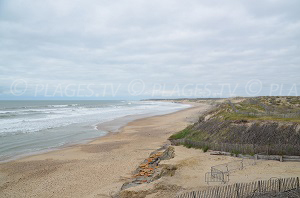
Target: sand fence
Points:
(221, 172)
(245, 190)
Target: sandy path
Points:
(94, 169)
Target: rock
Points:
(169, 153)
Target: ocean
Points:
(28, 127)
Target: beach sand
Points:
(192, 164)
(96, 169)
(99, 168)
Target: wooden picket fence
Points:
(245, 190)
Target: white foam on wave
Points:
(63, 115)
(57, 105)
(43, 127)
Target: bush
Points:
(205, 148)
(188, 145)
(235, 153)
(181, 134)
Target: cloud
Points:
(169, 42)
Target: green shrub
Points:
(235, 152)
(205, 148)
(188, 145)
(181, 134)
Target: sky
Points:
(136, 49)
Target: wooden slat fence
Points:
(220, 173)
(233, 166)
(216, 177)
(245, 190)
(283, 149)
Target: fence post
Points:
(279, 185)
(259, 187)
(298, 184)
(242, 164)
(194, 194)
(237, 190)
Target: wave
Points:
(35, 120)
(57, 105)
(63, 105)
(7, 115)
(48, 126)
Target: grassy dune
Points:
(270, 121)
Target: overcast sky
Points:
(148, 49)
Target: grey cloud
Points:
(156, 41)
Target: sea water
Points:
(27, 127)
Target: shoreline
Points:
(124, 121)
(112, 126)
(115, 125)
(97, 167)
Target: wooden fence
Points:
(221, 172)
(217, 176)
(283, 149)
(233, 166)
(244, 190)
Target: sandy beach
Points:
(96, 169)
